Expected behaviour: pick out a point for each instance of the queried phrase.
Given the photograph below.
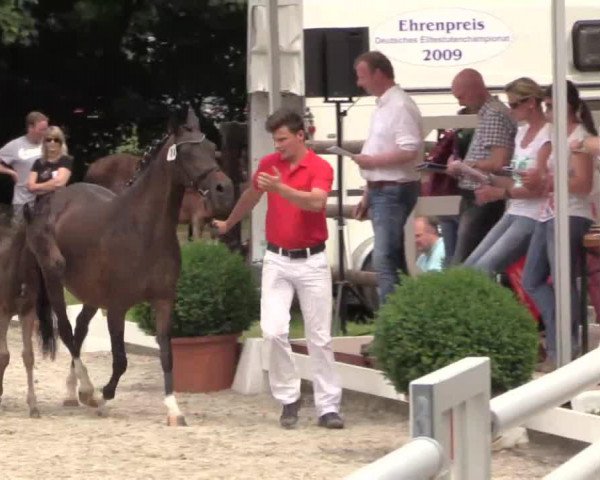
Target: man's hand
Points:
(454, 167)
(487, 194)
(269, 183)
(221, 226)
(366, 162)
(361, 209)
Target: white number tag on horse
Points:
(172, 153)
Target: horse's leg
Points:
(27, 325)
(116, 328)
(52, 264)
(163, 309)
(4, 353)
(81, 330)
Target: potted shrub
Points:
(437, 318)
(217, 300)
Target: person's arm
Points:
(244, 205)
(62, 178)
(313, 201)
(9, 171)
(542, 167)
(408, 138)
(581, 175)
(499, 157)
(386, 159)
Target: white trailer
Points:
(428, 42)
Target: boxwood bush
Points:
(216, 294)
(437, 318)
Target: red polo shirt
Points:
(287, 225)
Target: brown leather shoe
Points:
(289, 414)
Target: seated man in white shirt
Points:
(430, 245)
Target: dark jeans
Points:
(474, 224)
(449, 228)
(390, 206)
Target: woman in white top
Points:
(539, 265)
(508, 241)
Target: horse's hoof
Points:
(102, 413)
(34, 413)
(176, 421)
(87, 398)
(70, 402)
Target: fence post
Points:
(452, 406)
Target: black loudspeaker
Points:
(329, 55)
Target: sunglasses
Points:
(53, 139)
(514, 105)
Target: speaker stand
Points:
(342, 286)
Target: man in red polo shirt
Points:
(297, 182)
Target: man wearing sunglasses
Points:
(20, 154)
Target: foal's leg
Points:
(81, 330)
(27, 323)
(4, 353)
(163, 309)
(116, 328)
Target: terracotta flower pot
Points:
(204, 364)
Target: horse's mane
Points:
(149, 153)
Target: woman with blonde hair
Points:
(509, 239)
(53, 170)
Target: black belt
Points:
(296, 252)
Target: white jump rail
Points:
(516, 406)
(583, 466)
(420, 459)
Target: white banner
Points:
(441, 37)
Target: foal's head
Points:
(195, 157)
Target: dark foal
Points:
(114, 251)
(20, 280)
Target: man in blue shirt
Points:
(430, 245)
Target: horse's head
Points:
(195, 157)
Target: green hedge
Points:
(437, 318)
(216, 294)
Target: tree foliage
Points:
(100, 67)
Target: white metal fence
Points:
(452, 407)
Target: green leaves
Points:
(16, 23)
(216, 294)
(438, 318)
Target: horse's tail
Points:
(46, 319)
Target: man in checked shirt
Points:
(490, 150)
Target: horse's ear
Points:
(192, 120)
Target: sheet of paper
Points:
(339, 151)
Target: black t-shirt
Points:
(45, 170)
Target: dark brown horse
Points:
(116, 171)
(20, 280)
(114, 251)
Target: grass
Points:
(297, 328)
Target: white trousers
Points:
(311, 279)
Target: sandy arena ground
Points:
(230, 436)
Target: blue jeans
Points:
(449, 228)
(390, 206)
(504, 244)
(474, 224)
(540, 265)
